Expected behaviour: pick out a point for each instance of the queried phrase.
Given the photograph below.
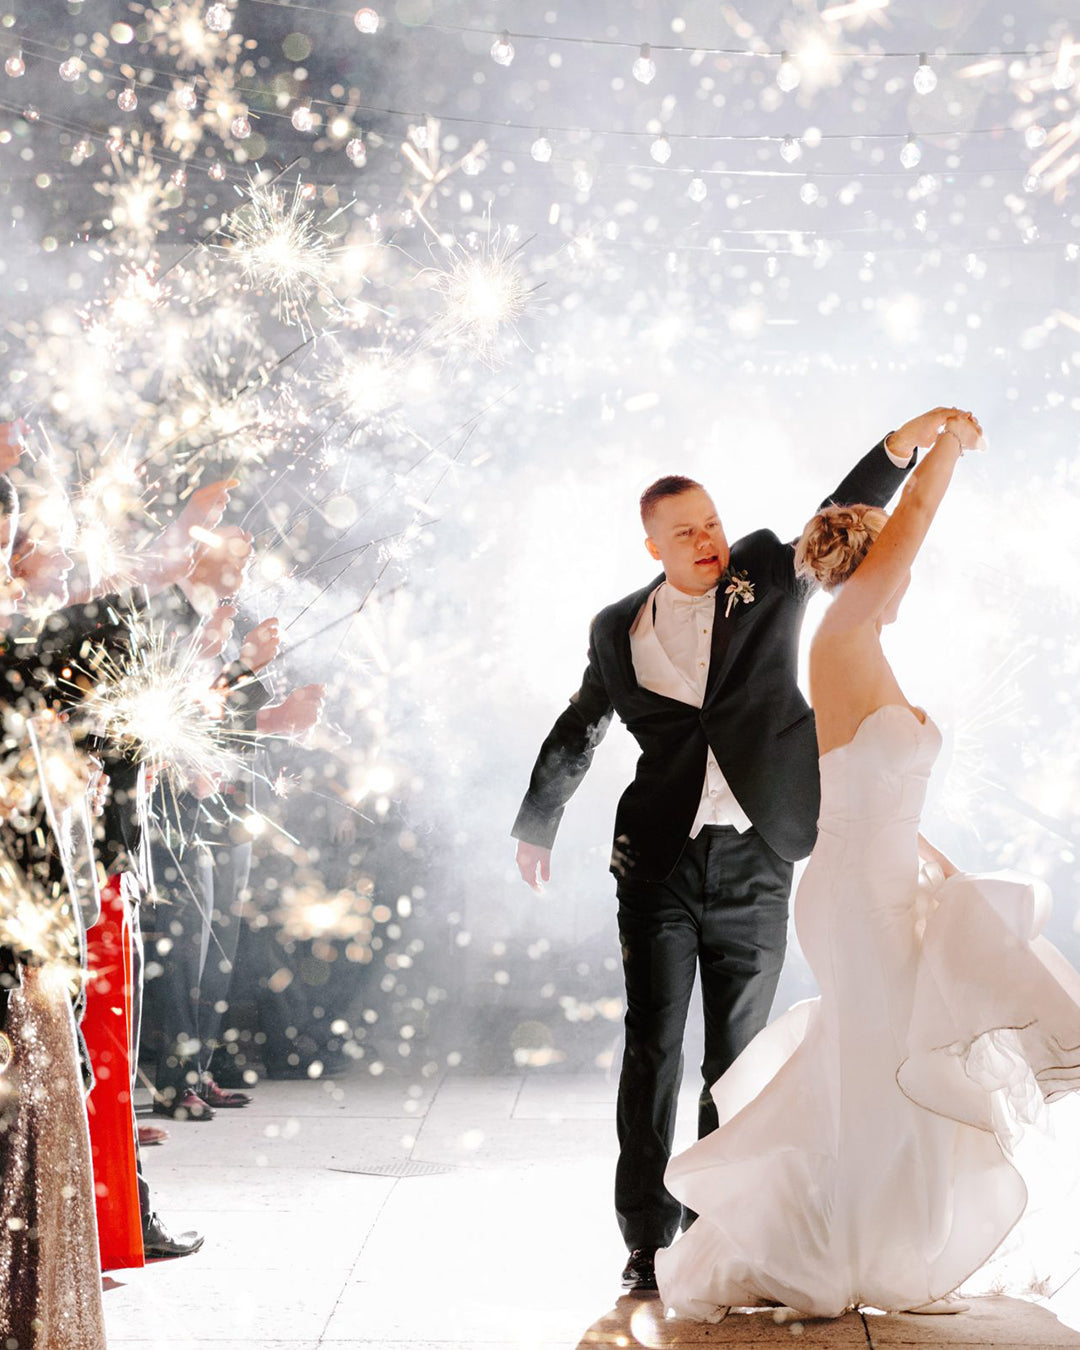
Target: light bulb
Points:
(15, 65)
(790, 149)
(240, 128)
(216, 171)
(1035, 136)
(644, 67)
(698, 190)
(809, 193)
(366, 20)
(114, 144)
(789, 75)
(1032, 182)
(541, 149)
(71, 69)
(911, 153)
(660, 149)
(218, 18)
(83, 150)
(356, 150)
(178, 178)
(303, 119)
(127, 99)
(502, 50)
(924, 80)
(186, 97)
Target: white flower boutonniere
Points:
(739, 587)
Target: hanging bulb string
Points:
(348, 108)
(635, 44)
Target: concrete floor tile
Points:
(206, 1187)
(171, 1343)
(290, 1141)
(990, 1321)
(638, 1321)
(283, 1240)
(183, 1296)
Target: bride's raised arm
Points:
(873, 584)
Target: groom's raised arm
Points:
(564, 757)
(879, 473)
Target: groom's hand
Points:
(921, 430)
(529, 858)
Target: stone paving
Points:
(350, 1213)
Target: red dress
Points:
(107, 1028)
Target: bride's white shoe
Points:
(941, 1307)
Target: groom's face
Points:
(685, 535)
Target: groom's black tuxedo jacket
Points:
(758, 724)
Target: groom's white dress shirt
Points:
(670, 644)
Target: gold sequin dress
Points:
(50, 1278)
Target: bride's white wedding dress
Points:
(863, 1154)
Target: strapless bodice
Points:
(881, 774)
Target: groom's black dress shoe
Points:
(638, 1273)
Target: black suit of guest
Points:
(718, 901)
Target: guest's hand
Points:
(11, 443)
(219, 566)
(206, 785)
(97, 787)
(206, 506)
(260, 646)
(215, 633)
(531, 857)
(295, 715)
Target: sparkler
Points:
(484, 290)
(278, 245)
(158, 703)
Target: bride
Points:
(863, 1154)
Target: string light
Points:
(790, 149)
(541, 149)
(218, 18)
(366, 20)
(911, 153)
(698, 190)
(15, 65)
(1034, 136)
(660, 149)
(502, 50)
(186, 98)
(303, 119)
(356, 152)
(71, 69)
(644, 68)
(127, 100)
(240, 127)
(789, 75)
(924, 80)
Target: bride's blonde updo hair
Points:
(835, 542)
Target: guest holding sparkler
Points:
(50, 1291)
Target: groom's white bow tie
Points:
(683, 603)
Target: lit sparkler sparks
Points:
(158, 703)
(280, 247)
(484, 290)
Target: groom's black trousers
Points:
(724, 910)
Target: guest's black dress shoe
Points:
(159, 1243)
(639, 1273)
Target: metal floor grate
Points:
(405, 1168)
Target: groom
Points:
(701, 666)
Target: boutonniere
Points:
(739, 587)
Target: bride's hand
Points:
(966, 428)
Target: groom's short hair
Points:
(671, 485)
